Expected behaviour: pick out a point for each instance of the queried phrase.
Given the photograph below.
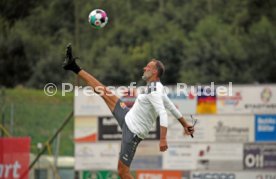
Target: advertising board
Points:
(96, 156)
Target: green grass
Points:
(39, 116)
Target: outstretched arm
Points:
(188, 129)
(171, 107)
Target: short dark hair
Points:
(160, 67)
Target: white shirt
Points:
(148, 107)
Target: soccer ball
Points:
(98, 18)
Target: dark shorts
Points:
(130, 140)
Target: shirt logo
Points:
(123, 105)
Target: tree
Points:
(260, 46)
(213, 53)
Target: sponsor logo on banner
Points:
(109, 129)
(260, 156)
(14, 158)
(96, 156)
(230, 100)
(261, 100)
(233, 128)
(215, 128)
(248, 100)
(213, 175)
(266, 95)
(180, 156)
(156, 174)
(185, 103)
(206, 104)
(225, 132)
(86, 129)
(265, 128)
(105, 174)
(231, 104)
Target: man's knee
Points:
(111, 101)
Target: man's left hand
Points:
(163, 145)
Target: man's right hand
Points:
(189, 130)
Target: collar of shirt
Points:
(151, 86)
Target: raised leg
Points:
(99, 88)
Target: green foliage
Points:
(13, 10)
(12, 60)
(198, 41)
(213, 53)
(261, 51)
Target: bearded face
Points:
(146, 75)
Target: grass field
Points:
(38, 116)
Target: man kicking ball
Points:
(137, 121)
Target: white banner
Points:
(180, 156)
(146, 148)
(89, 104)
(147, 162)
(203, 130)
(147, 156)
(96, 156)
(86, 129)
(260, 100)
(207, 156)
(248, 100)
(221, 156)
(244, 100)
(185, 102)
(233, 128)
(214, 128)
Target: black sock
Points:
(76, 69)
(73, 67)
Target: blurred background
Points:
(198, 41)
